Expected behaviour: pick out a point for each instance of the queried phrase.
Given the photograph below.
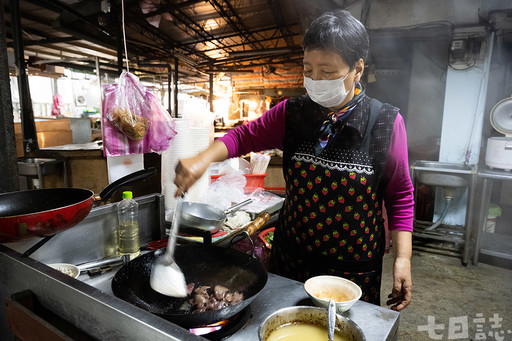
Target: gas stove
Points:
(223, 329)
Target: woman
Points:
(343, 155)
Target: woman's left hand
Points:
(400, 296)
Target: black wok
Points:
(203, 265)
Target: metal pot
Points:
(310, 315)
(207, 217)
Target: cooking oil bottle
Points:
(128, 231)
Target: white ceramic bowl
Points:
(322, 288)
(66, 268)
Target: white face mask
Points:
(327, 93)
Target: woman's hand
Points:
(189, 170)
(401, 294)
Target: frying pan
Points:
(45, 212)
(207, 217)
(203, 265)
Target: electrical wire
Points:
(124, 37)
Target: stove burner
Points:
(223, 329)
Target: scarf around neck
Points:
(335, 120)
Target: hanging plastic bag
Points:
(134, 121)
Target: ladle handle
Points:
(331, 320)
(171, 242)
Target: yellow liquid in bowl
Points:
(302, 332)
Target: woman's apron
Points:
(331, 220)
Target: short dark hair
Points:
(341, 33)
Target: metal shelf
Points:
(497, 245)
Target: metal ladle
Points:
(166, 276)
(331, 320)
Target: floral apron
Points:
(331, 220)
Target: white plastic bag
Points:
(226, 190)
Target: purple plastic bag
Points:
(130, 96)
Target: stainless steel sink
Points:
(453, 179)
(449, 176)
(439, 166)
(30, 166)
(442, 180)
(442, 174)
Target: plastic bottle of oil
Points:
(128, 231)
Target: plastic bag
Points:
(263, 201)
(134, 121)
(226, 190)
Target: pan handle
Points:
(240, 237)
(237, 206)
(108, 191)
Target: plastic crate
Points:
(253, 181)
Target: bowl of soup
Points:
(303, 323)
(344, 292)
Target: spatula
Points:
(166, 276)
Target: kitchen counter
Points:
(376, 322)
(88, 302)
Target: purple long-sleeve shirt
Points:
(268, 131)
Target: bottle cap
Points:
(127, 195)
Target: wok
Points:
(207, 217)
(203, 265)
(45, 212)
